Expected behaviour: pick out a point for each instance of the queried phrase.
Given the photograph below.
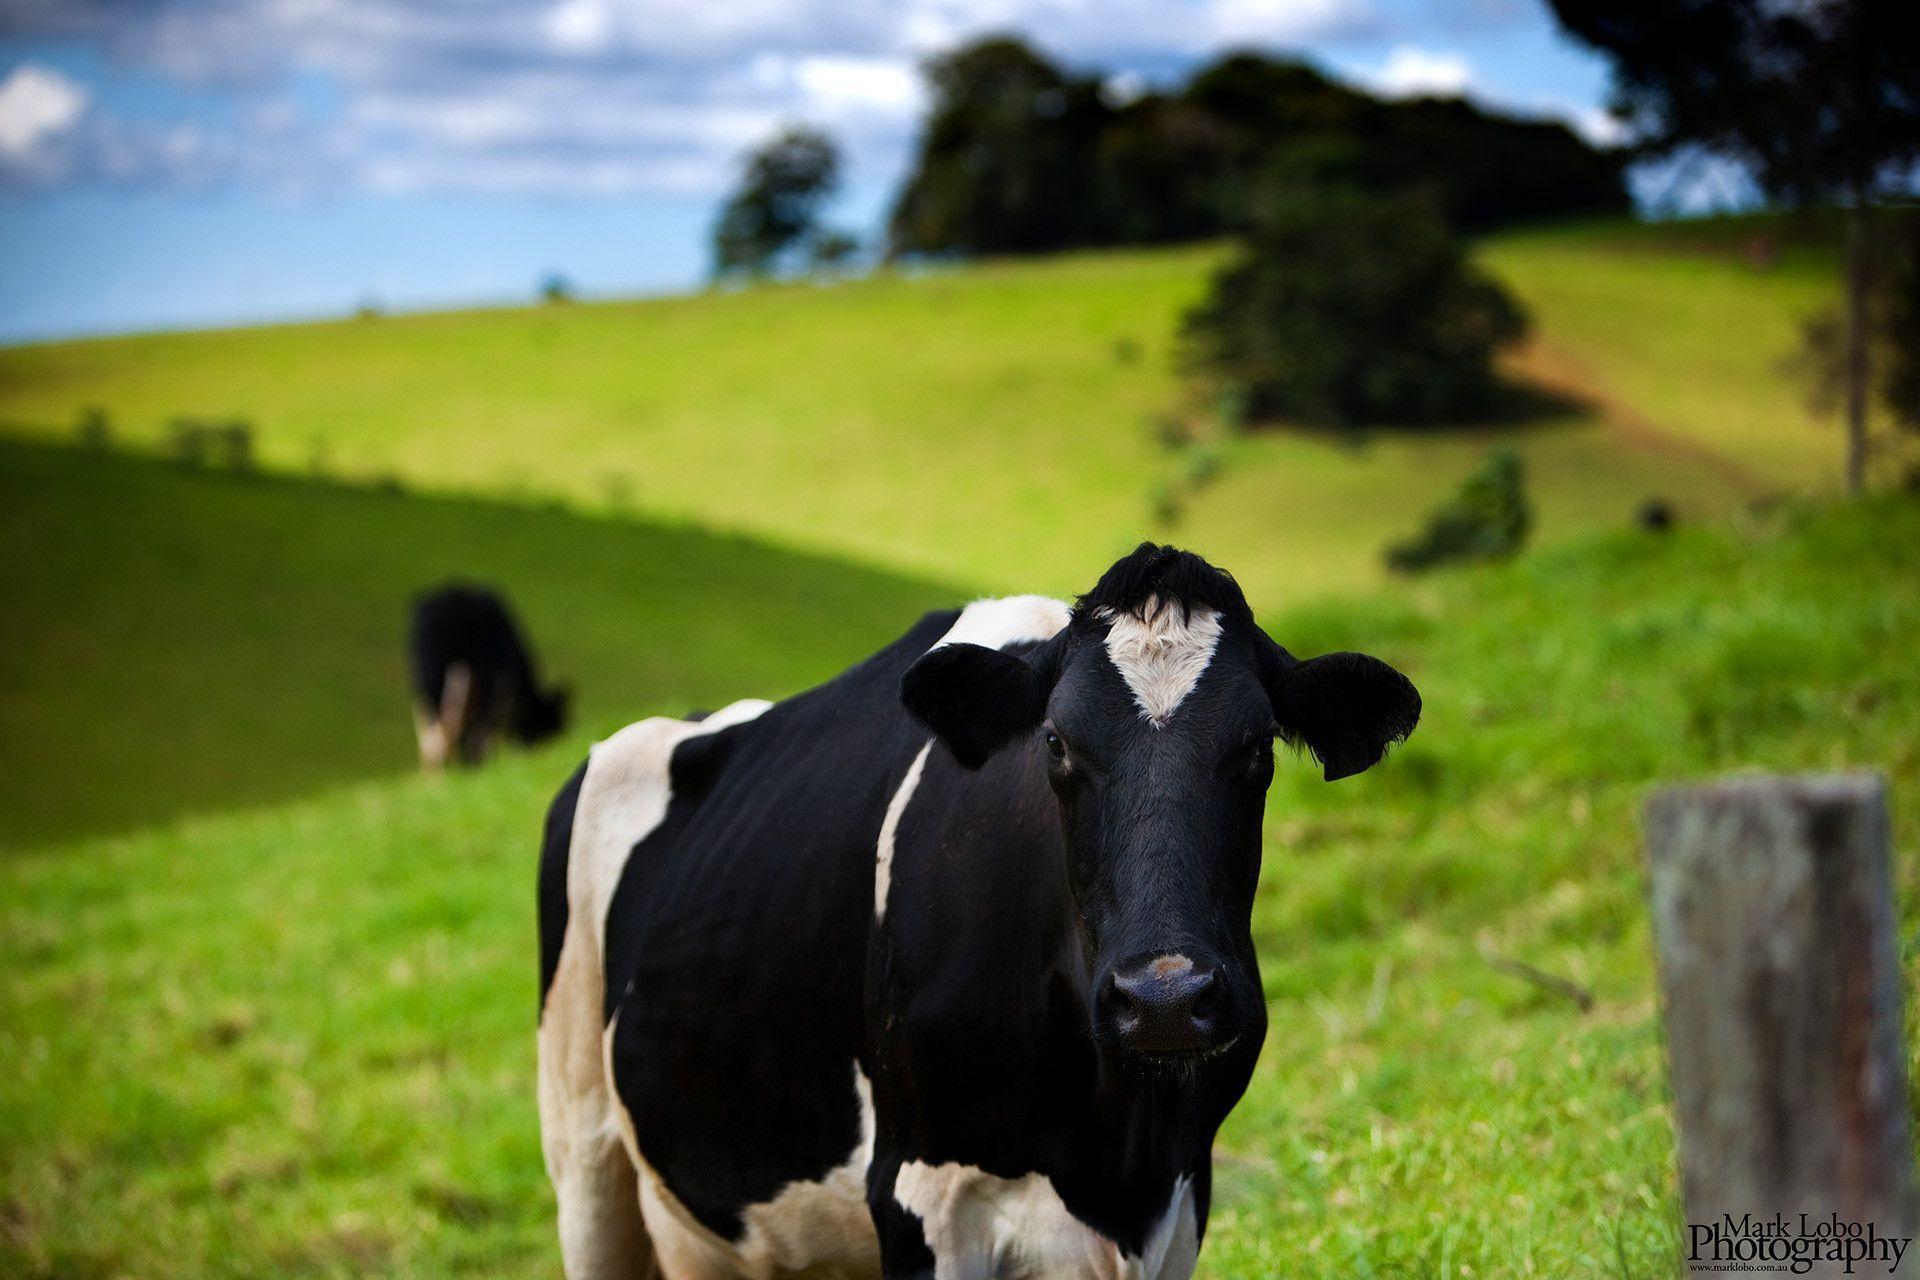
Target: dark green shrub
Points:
(832, 250)
(233, 445)
(1487, 518)
(1346, 309)
(198, 443)
(189, 441)
(94, 429)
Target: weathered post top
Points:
(1779, 971)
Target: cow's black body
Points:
(750, 976)
(742, 924)
(467, 634)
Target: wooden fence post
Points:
(1779, 970)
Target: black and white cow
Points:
(955, 989)
(473, 677)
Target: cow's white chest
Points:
(982, 1227)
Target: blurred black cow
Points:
(473, 677)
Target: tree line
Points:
(1019, 155)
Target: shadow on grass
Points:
(1517, 405)
(177, 640)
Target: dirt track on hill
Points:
(1557, 371)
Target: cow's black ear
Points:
(1346, 708)
(974, 699)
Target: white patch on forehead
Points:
(995, 624)
(1161, 653)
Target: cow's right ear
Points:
(975, 699)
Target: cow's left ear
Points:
(1346, 708)
(977, 699)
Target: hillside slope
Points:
(992, 425)
(300, 1041)
(1690, 331)
(173, 640)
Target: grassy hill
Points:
(178, 640)
(991, 426)
(1686, 330)
(299, 1041)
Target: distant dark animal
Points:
(1655, 515)
(473, 677)
(943, 968)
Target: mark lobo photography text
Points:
(1791, 1244)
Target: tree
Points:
(776, 207)
(1348, 308)
(1006, 161)
(1819, 99)
(1489, 170)
(1900, 324)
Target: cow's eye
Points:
(1258, 754)
(1056, 748)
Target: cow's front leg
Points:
(904, 1251)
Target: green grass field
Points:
(991, 426)
(299, 1042)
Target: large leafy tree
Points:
(1819, 99)
(1349, 309)
(1006, 159)
(776, 208)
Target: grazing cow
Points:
(473, 677)
(959, 988)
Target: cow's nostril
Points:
(1123, 1006)
(1209, 998)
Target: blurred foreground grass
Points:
(300, 1042)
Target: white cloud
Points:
(1596, 124)
(1274, 21)
(1123, 87)
(1411, 72)
(574, 95)
(580, 26)
(37, 105)
(834, 86)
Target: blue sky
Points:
(194, 162)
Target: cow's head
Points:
(541, 714)
(1154, 712)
